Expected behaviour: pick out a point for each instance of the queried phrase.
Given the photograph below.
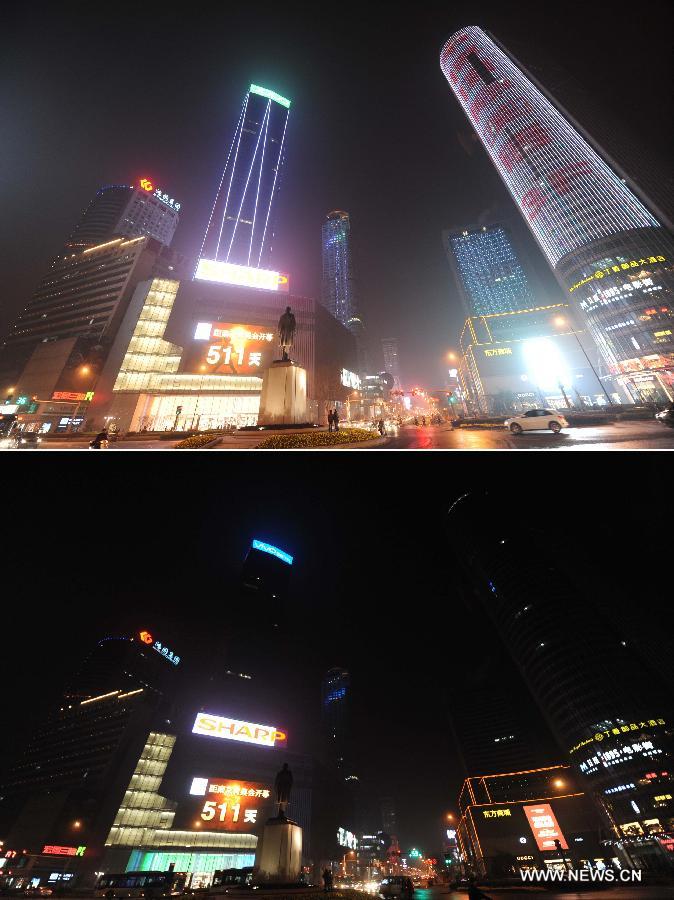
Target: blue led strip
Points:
(274, 551)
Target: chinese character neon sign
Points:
(53, 850)
(162, 649)
(146, 185)
(245, 276)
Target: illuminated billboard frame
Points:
(238, 730)
(273, 551)
(244, 276)
(271, 95)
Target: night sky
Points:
(90, 552)
(101, 94)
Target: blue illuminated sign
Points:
(269, 548)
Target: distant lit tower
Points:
(338, 284)
(604, 703)
(240, 229)
(487, 270)
(336, 702)
(389, 348)
(388, 815)
(607, 249)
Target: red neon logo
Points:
(146, 184)
(145, 637)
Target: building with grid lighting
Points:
(487, 271)
(608, 250)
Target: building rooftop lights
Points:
(272, 95)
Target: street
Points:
(640, 435)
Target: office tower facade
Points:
(338, 286)
(389, 348)
(121, 210)
(388, 815)
(604, 704)
(85, 295)
(240, 228)
(609, 252)
(487, 270)
(335, 696)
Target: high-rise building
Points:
(608, 250)
(84, 296)
(389, 348)
(338, 286)
(488, 272)
(603, 702)
(240, 229)
(388, 815)
(121, 210)
(336, 698)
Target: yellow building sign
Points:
(496, 813)
(618, 730)
(499, 351)
(622, 267)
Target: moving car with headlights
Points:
(537, 420)
(666, 416)
(396, 886)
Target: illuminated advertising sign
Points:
(273, 551)
(73, 396)
(245, 276)
(228, 348)
(617, 269)
(236, 730)
(350, 379)
(145, 184)
(224, 804)
(347, 839)
(544, 826)
(619, 730)
(52, 850)
(272, 95)
(162, 649)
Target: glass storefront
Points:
(185, 412)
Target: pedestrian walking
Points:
(327, 880)
(335, 420)
(100, 442)
(382, 429)
(331, 419)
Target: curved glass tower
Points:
(240, 228)
(609, 252)
(338, 289)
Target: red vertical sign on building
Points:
(545, 827)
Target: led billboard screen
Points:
(244, 276)
(224, 804)
(229, 348)
(544, 826)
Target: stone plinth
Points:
(284, 395)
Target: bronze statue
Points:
(283, 784)
(286, 332)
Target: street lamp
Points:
(560, 321)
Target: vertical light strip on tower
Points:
(568, 194)
(235, 234)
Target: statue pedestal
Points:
(278, 859)
(284, 395)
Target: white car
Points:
(537, 420)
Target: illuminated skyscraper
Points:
(338, 287)
(389, 348)
(121, 210)
(603, 701)
(336, 702)
(607, 249)
(240, 229)
(488, 273)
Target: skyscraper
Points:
(338, 287)
(608, 250)
(121, 210)
(603, 702)
(389, 348)
(336, 702)
(487, 270)
(240, 229)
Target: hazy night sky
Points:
(93, 95)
